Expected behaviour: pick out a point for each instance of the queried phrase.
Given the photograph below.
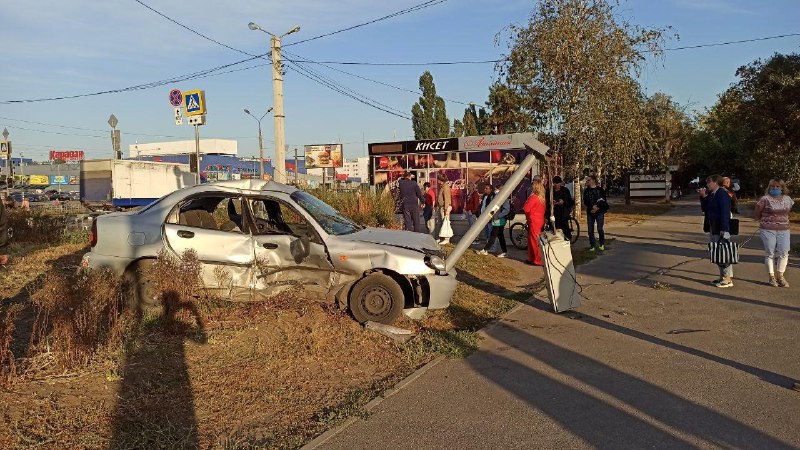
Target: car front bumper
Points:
(442, 288)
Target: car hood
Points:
(404, 239)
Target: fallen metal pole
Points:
(525, 166)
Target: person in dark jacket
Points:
(562, 206)
(488, 196)
(594, 197)
(726, 183)
(716, 203)
(411, 196)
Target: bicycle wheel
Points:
(518, 234)
(575, 229)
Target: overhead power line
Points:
(743, 41)
(150, 85)
(192, 30)
(382, 83)
(423, 5)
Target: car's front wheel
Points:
(377, 298)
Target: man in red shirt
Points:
(427, 212)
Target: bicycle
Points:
(518, 232)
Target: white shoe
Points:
(483, 252)
(502, 255)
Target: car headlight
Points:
(434, 262)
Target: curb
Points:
(372, 404)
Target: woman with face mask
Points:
(772, 211)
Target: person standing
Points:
(473, 206)
(562, 206)
(427, 211)
(534, 212)
(717, 205)
(445, 204)
(411, 196)
(488, 196)
(594, 197)
(498, 225)
(726, 183)
(772, 212)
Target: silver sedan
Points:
(268, 237)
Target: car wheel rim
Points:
(376, 302)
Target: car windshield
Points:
(331, 220)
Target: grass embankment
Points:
(203, 372)
(635, 213)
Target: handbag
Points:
(447, 230)
(723, 252)
(733, 227)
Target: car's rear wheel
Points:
(377, 298)
(139, 290)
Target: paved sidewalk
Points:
(655, 358)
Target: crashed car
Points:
(263, 238)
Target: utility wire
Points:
(150, 85)
(743, 41)
(415, 92)
(191, 29)
(423, 5)
(313, 76)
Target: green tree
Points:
(669, 130)
(509, 114)
(429, 115)
(576, 62)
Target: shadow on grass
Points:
(155, 402)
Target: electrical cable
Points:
(191, 29)
(378, 82)
(423, 5)
(149, 85)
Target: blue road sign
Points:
(194, 102)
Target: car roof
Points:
(253, 185)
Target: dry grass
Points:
(199, 373)
(8, 368)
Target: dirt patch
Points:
(634, 213)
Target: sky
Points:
(52, 48)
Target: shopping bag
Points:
(723, 252)
(447, 230)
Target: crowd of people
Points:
(436, 208)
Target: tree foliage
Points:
(669, 130)
(510, 111)
(574, 66)
(754, 128)
(429, 115)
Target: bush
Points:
(39, 227)
(178, 282)
(77, 315)
(364, 207)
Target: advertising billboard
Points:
(323, 156)
(59, 180)
(39, 180)
(66, 155)
(5, 149)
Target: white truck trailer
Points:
(128, 183)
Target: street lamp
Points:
(277, 100)
(260, 139)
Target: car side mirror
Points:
(301, 248)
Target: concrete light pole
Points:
(277, 101)
(260, 140)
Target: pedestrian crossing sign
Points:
(194, 102)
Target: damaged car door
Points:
(211, 226)
(289, 252)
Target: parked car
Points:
(268, 237)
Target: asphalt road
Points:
(654, 358)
